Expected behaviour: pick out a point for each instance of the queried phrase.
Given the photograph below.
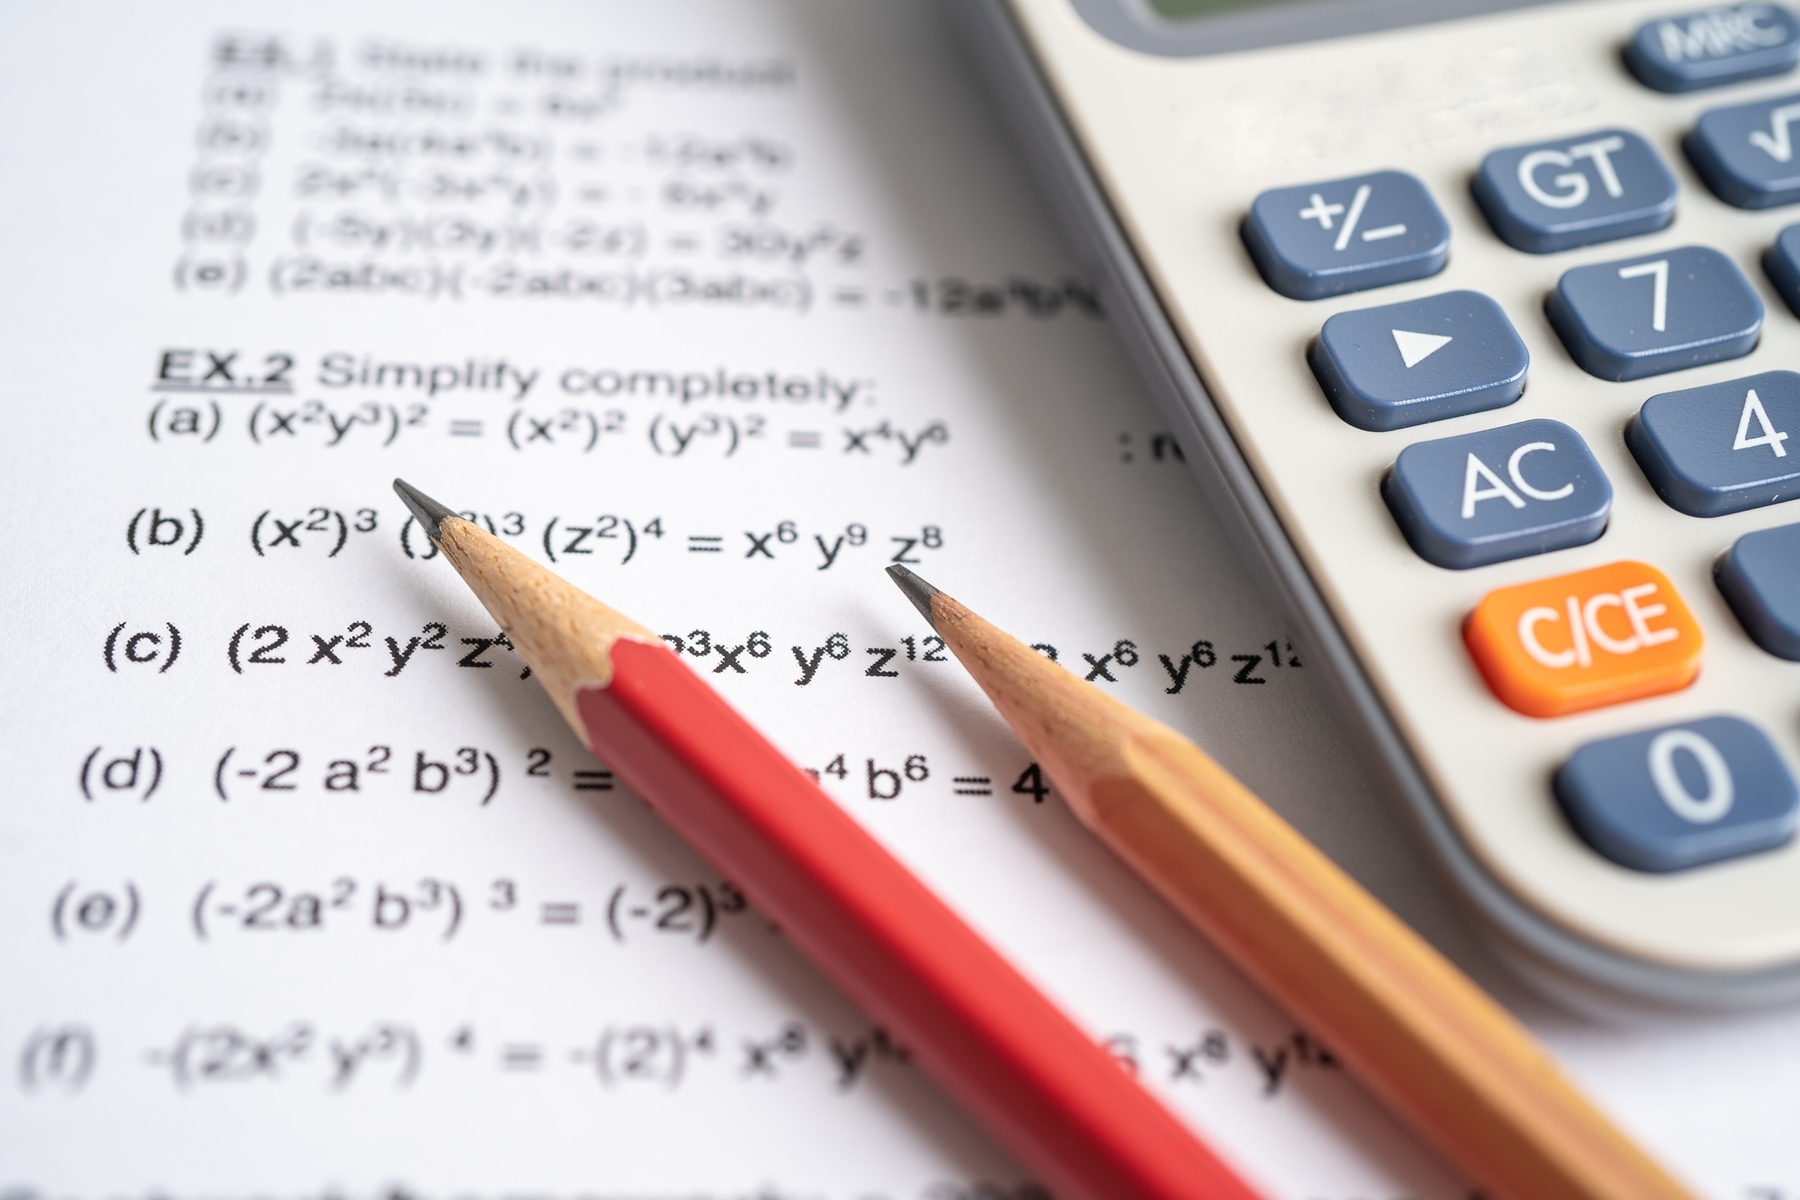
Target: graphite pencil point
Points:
(916, 590)
(429, 512)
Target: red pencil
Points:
(1042, 1087)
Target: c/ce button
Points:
(1584, 640)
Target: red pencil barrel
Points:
(1047, 1091)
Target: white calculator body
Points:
(1477, 322)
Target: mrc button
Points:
(1420, 360)
(1680, 796)
(1576, 191)
(1501, 493)
(1714, 47)
(1760, 579)
(1746, 152)
(1597, 637)
(1722, 448)
(1325, 239)
(1662, 312)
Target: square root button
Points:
(1662, 312)
(1325, 239)
(1575, 191)
(1420, 360)
(1680, 796)
(1585, 640)
(1746, 152)
(1722, 448)
(1501, 493)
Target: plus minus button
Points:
(1320, 211)
(1333, 236)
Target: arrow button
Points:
(1369, 389)
(1415, 348)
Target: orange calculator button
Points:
(1597, 637)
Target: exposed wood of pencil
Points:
(1452, 1063)
(564, 634)
(1049, 1092)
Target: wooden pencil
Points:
(1046, 1091)
(1447, 1059)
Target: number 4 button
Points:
(1646, 316)
(1723, 448)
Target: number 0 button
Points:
(1677, 797)
(1644, 316)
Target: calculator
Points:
(1477, 322)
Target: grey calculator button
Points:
(1420, 360)
(1345, 235)
(1575, 191)
(1677, 797)
(1662, 312)
(1712, 47)
(1485, 497)
(1722, 448)
(1760, 579)
(1746, 153)
(1782, 265)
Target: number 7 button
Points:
(1645, 316)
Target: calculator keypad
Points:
(1663, 312)
(1746, 153)
(1503, 493)
(1714, 47)
(1345, 235)
(1662, 799)
(1585, 640)
(1575, 191)
(1421, 360)
(1760, 579)
(1679, 796)
(1723, 448)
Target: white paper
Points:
(725, 306)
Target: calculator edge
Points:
(1563, 965)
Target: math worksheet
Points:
(717, 309)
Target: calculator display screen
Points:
(1194, 28)
(1190, 10)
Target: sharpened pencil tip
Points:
(429, 512)
(916, 590)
